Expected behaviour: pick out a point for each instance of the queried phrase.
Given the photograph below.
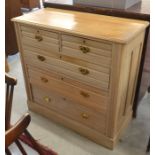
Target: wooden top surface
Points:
(92, 25)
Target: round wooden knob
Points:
(84, 49)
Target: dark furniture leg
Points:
(148, 146)
(7, 151)
(20, 147)
(34, 143)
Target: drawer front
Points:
(85, 75)
(58, 84)
(38, 38)
(87, 50)
(86, 64)
(68, 108)
(47, 51)
(90, 57)
(87, 42)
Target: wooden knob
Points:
(84, 71)
(84, 49)
(41, 58)
(84, 94)
(44, 80)
(47, 99)
(38, 37)
(85, 116)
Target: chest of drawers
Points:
(81, 69)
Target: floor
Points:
(65, 141)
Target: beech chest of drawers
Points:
(81, 69)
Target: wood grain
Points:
(70, 109)
(99, 102)
(81, 23)
(63, 77)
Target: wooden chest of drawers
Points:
(81, 69)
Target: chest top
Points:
(109, 28)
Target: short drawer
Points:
(83, 74)
(68, 108)
(91, 51)
(39, 38)
(47, 51)
(85, 63)
(104, 61)
(104, 45)
(58, 84)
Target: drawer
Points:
(68, 108)
(78, 61)
(83, 74)
(48, 51)
(36, 37)
(90, 57)
(32, 31)
(106, 46)
(91, 51)
(58, 84)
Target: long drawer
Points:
(66, 107)
(39, 38)
(58, 84)
(51, 52)
(85, 75)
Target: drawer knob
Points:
(84, 49)
(85, 116)
(41, 58)
(84, 94)
(44, 80)
(47, 99)
(84, 71)
(38, 37)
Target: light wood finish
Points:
(140, 11)
(81, 70)
(81, 23)
(87, 42)
(83, 96)
(90, 56)
(91, 77)
(125, 77)
(69, 109)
